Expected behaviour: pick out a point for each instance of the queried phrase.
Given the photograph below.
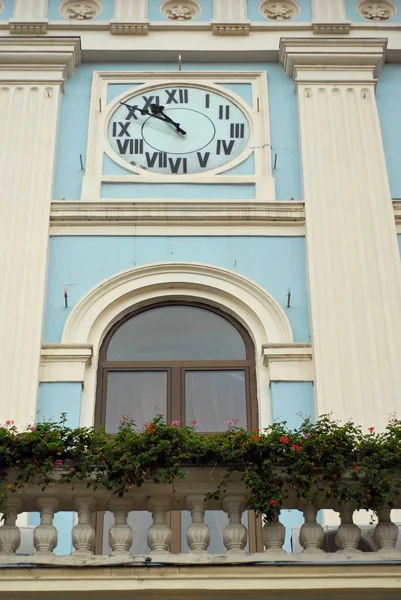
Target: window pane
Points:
(213, 397)
(176, 333)
(138, 394)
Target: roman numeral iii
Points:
(237, 130)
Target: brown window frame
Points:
(176, 369)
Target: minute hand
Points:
(157, 111)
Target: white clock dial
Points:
(178, 130)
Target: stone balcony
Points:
(184, 495)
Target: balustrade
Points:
(162, 501)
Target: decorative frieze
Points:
(180, 11)
(376, 11)
(80, 11)
(279, 11)
(130, 17)
(29, 17)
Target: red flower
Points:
(284, 440)
(371, 429)
(356, 467)
(194, 422)
(254, 438)
(273, 502)
(296, 447)
(243, 500)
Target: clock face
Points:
(178, 130)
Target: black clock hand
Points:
(158, 110)
(158, 114)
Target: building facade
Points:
(199, 205)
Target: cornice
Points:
(71, 353)
(32, 59)
(333, 59)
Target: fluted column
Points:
(29, 16)
(32, 72)
(353, 258)
(330, 16)
(130, 16)
(230, 17)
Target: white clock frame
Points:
(101, 111)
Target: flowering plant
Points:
(319, 463)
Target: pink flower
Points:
(307, 435)
(296, 447)
(371, 429)
(175, 423)
(229, 423)
(58, 463)
(124, 419)
(8, 423)
(194, 422)
(32, 427)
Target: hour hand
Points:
(157, 111)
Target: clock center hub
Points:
(162, 136)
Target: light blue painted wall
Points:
(80, 263)
(205, 15)
(74, 119)
(352, 15)
(304, 15)
(291, 401)
(105, 15)
(55, 399)
(176, 191)
(389, 106)
(8, 10)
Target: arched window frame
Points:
(177, 369)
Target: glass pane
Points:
(176, 333)
(140, 395)
(140, 521)
(215, 397)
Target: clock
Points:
(178, 130)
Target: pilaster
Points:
(330, 17)
(130, 17)
(30, 16)
(230, 17)
(353, 258)
(32, 72)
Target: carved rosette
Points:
(180, 11)
(80, 11)
(279, 11)
(376, 11)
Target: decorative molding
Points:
(80, 11)
(180, 11)
(331, 28)
(230, 17)
(355, 297)
(397, 214)
(29, 17)
(130, 17)
(230, 29)
(64, 362)
(292, 362)
(279, 11)
(344, 60)
(376, 11)
(41, 66)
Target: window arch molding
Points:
(107, 303)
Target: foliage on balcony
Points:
(318, 462)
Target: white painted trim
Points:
(64, 362)
(98, 144)
(257, 310)
(289, 362)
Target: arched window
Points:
(184, 360)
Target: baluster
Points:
(311, 534)
(386, 532)
(159, 534)
(348, 534)
(10, 535)
(120, 534)
(45, 536)
(198, 533)
(235, 533)
(83, 534)
(273, 535)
